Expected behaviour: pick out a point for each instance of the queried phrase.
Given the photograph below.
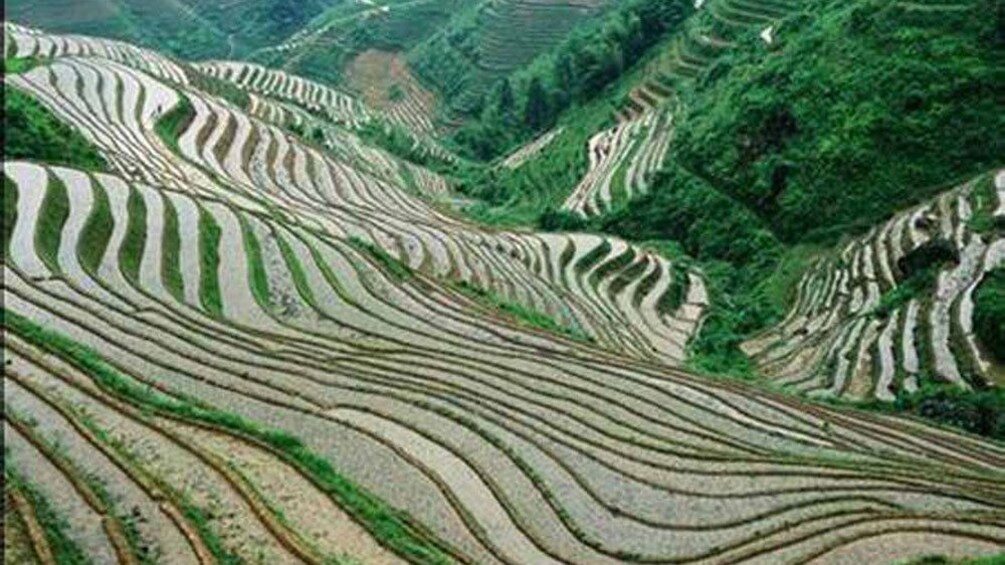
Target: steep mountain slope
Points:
(228, 283)
(775, 149)
(809, 142)
(894, 306)
(329, 43)
(480, 46)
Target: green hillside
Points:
(193, 29)
(782, 149)
(322, 49)
(480, 46)
(858, 109)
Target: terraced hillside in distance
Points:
(480, 46)
(895, 303)
(715, 31)
(324, 47)
(384, 81)
(257, 308)
(621, 158)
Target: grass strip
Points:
(64, 549)
(171, 253)
(297, 272)
(10, 196)
(19, 65)
(525, 316)
(52, 217)
(590, 259)
(256, 265)
(171, 125)
(209, 267)
(391, 527)
(96, 233)
(131, 251)
(399, 270)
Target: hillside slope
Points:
(463, 394)
(189, 28)
(480, 46)
(812, 143)
(775, 145)
(895, 308)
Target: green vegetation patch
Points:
(980, 412)
(10, 196)
(388, 262)
(919, 284)
(97, 232)
(391, 527)
(220, 88)
(983, 202)
(18, 65)
(34, 133)
(209, 264)
(174, 122)
(256, 265)
(918, 273)
(574, 72)
(989, 313)
(131, 251)
(816, 146)
(191, 30)
(350, 28)
(52, 217)
(523, 315)
(688, 220)
(296, 272)
(171, 253)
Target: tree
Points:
(504, 98)
(536, 110)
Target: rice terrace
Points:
(523, 282)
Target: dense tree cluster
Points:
(857, 110)
(576, 71)
(32, 132)
(989, 313)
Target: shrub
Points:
(989, 313)
(810, 143)
(32, 132)
(927, 257)
(171, 125)
(981, 411)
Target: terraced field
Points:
(384, 82)
(333, 104)
(466, 59)
(172, 322)
(542, 24)
(412, 112)
(715, 31)
(862, 327)
(530, 150)
(623, 157)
